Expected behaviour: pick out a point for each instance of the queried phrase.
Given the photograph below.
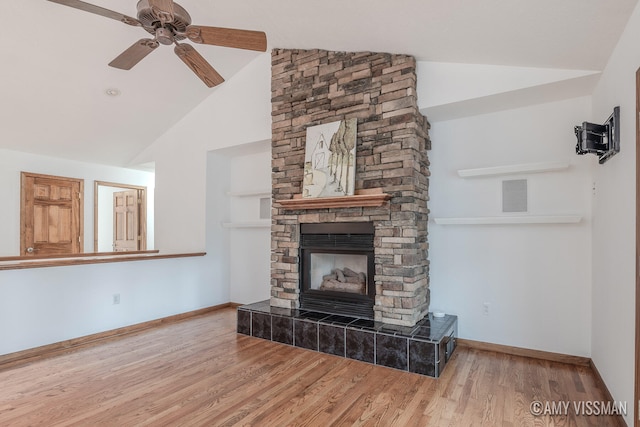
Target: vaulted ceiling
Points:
(54, 71)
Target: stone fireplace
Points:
(350, 275)
(311, 87)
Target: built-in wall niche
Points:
(251, 210)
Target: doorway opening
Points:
(120, 217)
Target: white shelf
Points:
(248, 224)
(520, 219)
(514, 169)
(254, 193)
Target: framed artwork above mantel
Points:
(330, 159)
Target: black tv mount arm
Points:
(602, 140)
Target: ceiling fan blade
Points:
(198, 65)
(87, 7)
(228, 37)
(130, 57)
(162, 9)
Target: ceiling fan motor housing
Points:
(170, 31)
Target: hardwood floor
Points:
(199, 372)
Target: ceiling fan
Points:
(169, 23)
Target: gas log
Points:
(344, 280)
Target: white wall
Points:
(536, 278)
(614, 211)
(449, 83)
(238, 113)
(180, 199)
(13, 162)
(48, 305)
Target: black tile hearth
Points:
(244, 322)
(338, 320)
(261, 326)
(282, 329)
(391, 351)
(361, 345)
(422, 358)
(403, 331)
(366, 324)
(305, 334)
(313, 315)
(422, 332)
(421, 349)
(331, 339)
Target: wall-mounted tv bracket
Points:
(602, 140)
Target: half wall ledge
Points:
(19, 263)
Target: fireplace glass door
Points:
(337, 267)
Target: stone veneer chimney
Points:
(311, 87)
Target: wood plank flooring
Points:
(199, 372)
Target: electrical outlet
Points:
(116, 299)
(485, 308)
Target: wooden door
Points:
(126, 213)
(51, 215)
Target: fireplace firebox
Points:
(337, 268)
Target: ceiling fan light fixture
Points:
(164, 36)
(112, 91)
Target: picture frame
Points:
(330, 159)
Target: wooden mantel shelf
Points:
(373, 197)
